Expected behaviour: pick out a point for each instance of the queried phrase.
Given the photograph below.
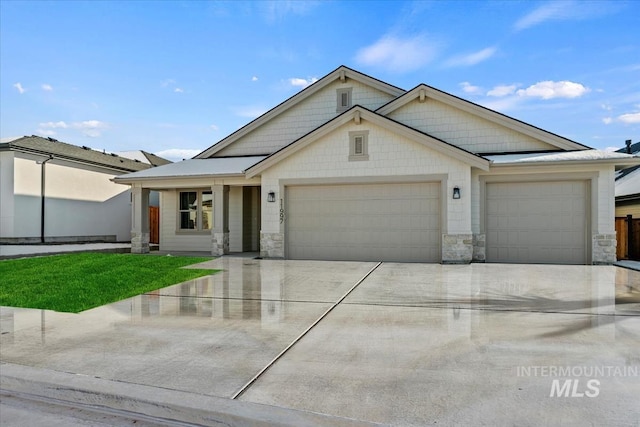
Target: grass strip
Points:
(80, 281)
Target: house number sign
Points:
(281, 212)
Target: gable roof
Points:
(423, 91)
(194, 168)
(51, 147)
(340, 73)
(144, 157)
(358, 113)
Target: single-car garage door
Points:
(537, 222)
(364, 222)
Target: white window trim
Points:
(353, 156)
(199, 216)
(339, 92)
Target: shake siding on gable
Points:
(463, 129)
(306, 116)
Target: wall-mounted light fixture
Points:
(271, 196)
(456, 192)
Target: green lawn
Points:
(80, 281)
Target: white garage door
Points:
(537, 222)
(364, 222)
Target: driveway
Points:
(402, 344)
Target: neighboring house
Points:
(628, 207)
(55, 192)
(353, 168)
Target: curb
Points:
(160, 404)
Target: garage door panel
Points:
(536, 222)
(390, 222)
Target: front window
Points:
(195, 210)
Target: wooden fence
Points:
(628, 242)
(154, 224)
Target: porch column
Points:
(220, 230)
(139, 220)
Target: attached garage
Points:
(364, 222)
(537, 222)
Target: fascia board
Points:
(297, 98)
(382, 121)
(484, 113)
(615, 162)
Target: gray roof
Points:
(629, 184)
(195, 168)
(144, 157)
(565, 156)
(52, 147)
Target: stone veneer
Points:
(603, 249)
(457, 248)
(271, 245)
(219, 244)
(479, 248)
(139, 243)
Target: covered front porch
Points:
(206, 205)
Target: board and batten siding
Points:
(306, 116)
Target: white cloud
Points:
(399, 54)
(502, 90)
(469, 88)
(606, 107)
(178, 90)
(46, 87)
(611, 149)
(629, 118)
(549, 89)
(54, 125)
(91, 128)
(177, 154)
(249, 111)
(46, 132)
(167, 82)
(19, 87)
(254, 79)
(471, 58)
(607, 120)
(565, 11)
(302, 82)
(214, 127)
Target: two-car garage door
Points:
(364, 222)
(537, 222)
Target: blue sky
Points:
(173, 78)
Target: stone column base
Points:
(219, 244)
(271, 245)
(479, 248)
(139, 243)
(603, 249)
(457, 248)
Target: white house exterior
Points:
(55, 192)
(352, 168)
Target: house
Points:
(53, 192)
(627, 192)
(353, 168)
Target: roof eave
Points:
(295, 99)
(615, 162)
(482, 112)
(125, 180)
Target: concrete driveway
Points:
(401, 344)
